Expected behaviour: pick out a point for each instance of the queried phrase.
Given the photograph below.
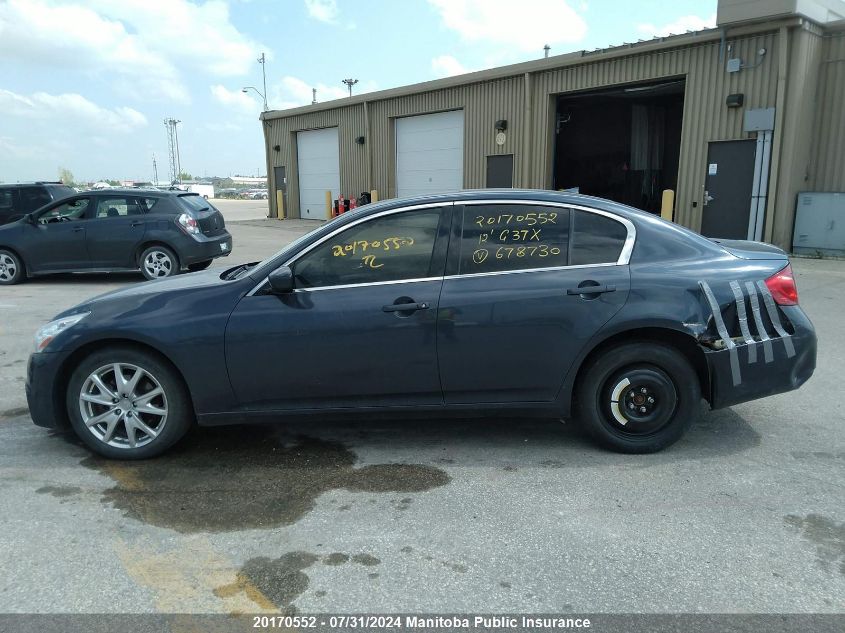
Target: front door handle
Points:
(137, 224)
(405, 307)
(77, 229)
(590, 290)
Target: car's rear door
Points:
(114, 231)
(56, 241)
(359, 329)
(527, 285)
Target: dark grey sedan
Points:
(159, 233)
(473, 303)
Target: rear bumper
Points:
(202, 248)
(42, 395)
(760, 378)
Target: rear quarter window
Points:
(595, 239)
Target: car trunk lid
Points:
(747, 249)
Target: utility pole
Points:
(313, 96)
(173, 150)
(262, 60)
(546, 50)
(350, 83)
(155, 171)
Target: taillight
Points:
(189, 224)
(783, 288)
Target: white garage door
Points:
(319, 171)
(430, 153)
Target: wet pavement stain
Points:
(17, 412)
(827, 535)
(338, 558)
(223, 480)
(59, 491)
(366, 559)
(270, 582)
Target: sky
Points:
(86, 85)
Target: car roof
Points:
(132, 191)
(44, 183)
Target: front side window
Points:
(389, 248)
(502, 237)
(596, 239)
(65, 212)
(117, 207)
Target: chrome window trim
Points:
(623, 260)
(627, 247)
(305, 251)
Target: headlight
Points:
(189, 224)
(49, 331)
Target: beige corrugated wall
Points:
(530, 134)
(827, 171)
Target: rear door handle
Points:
(77, 229)
(590, 290)
(137, 224)
(405, 307)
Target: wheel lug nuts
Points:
(631, 406)
(642, 409)
(632, 394)
(650, 400)
(643, 390)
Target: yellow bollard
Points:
(328, 205)
(374, 195)
(280, 204)
(667, 205)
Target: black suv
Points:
(158, 232)
(19, 199)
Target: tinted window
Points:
(388, 248)
(65, 212)
(195, 203)
(513, 237)
(33, 198)
(149, 203)
(7, 201)
(596, 239)
(117, 207)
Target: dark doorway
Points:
(727, 189)
(281, 185)
(622, 143)
(500, 171)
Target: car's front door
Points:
(358, 330)
(57, 239)
(114, 231)
(526, 287)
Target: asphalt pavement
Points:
(745, 514)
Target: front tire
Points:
(11, 268)
(125, 403)
(158, 262)
(639, 397)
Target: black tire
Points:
(199, 265)
(659, 403)
(174, 400)
(168, 262)
(12, 270)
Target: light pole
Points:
(350, 83)
(261, 61)
(258, 92)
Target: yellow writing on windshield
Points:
(362, 246)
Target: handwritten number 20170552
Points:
(529, 219)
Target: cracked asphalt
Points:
(745, 514)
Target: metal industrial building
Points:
(737, 120)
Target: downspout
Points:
(526, 135)
(273, 211)
(368, 155)
(777, 137)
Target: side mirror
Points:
(28, 219)
(281, 280)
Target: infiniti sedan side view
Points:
(471, 303)
(160, 233)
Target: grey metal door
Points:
(500, 171)
(281, 185)
(727, 189)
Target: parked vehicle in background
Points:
(203, 189)
(158, 232)
(16, 200)
(482, 302)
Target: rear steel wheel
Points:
(158, 262)
(11, 268)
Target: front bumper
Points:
(202, 248)
(760, 378)
(46, 404)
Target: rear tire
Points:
(639, 397)
(11, 268)
(137, 416)
(158, 262)
(199, 265)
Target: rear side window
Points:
(502, 237)
(117, 207)
(596, 239)
(33, 198)
(389, 248)
(7, 201)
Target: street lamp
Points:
(350, 83)
(261, 61)
(258, 92)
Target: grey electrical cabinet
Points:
(820, 224)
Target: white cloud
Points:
(447, 66)
(322, 10)
(70, 108)
(147, 42)
(293, 92)
(681, 25)
(236, 99)
(528, 27)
